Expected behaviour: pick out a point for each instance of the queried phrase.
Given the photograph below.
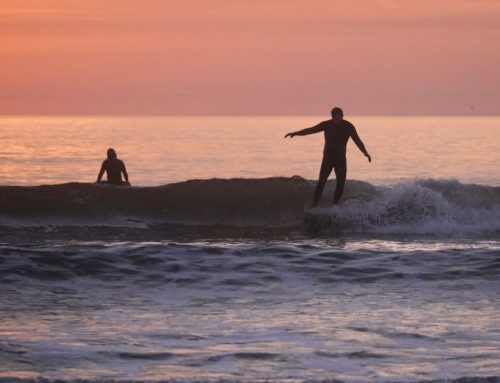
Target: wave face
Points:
(250, 207)
(422, 207)
(276, 201)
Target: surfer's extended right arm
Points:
(304, 132)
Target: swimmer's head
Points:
(337, 112)
(111, 154)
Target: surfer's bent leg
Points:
(340, 174)
(324, 173)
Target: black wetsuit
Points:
(337, 133)
(114, 169)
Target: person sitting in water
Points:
(114, 169)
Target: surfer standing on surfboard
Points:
(337, 132)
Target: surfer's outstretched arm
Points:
(360, 144)
(304, 132)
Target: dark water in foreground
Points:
(396, 284)
(353, 310)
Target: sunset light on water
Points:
(162, 217)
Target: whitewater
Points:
(442, 208)
(219, 270)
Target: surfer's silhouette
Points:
(337, 132)
(114, 169)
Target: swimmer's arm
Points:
(304, 132)
(360, 144)
(124, 170)
(101, 172)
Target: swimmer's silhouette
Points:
(114, 169)
(337, 132)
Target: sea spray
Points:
(423, 207)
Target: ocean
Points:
(213, 267)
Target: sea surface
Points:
(213, 267)
(161, 150)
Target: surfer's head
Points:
(337, 112)
(111, 154)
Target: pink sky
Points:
(249, 57)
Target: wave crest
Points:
(227, 207)
(422, 207)
(276, 201)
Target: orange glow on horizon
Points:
(293, 57)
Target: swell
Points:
(464, 379)
(259, 208)
(276, 201)
(239, 266)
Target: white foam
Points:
(418, 208)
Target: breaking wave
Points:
(422, 207)
(228, 207)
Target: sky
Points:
(270, 57)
